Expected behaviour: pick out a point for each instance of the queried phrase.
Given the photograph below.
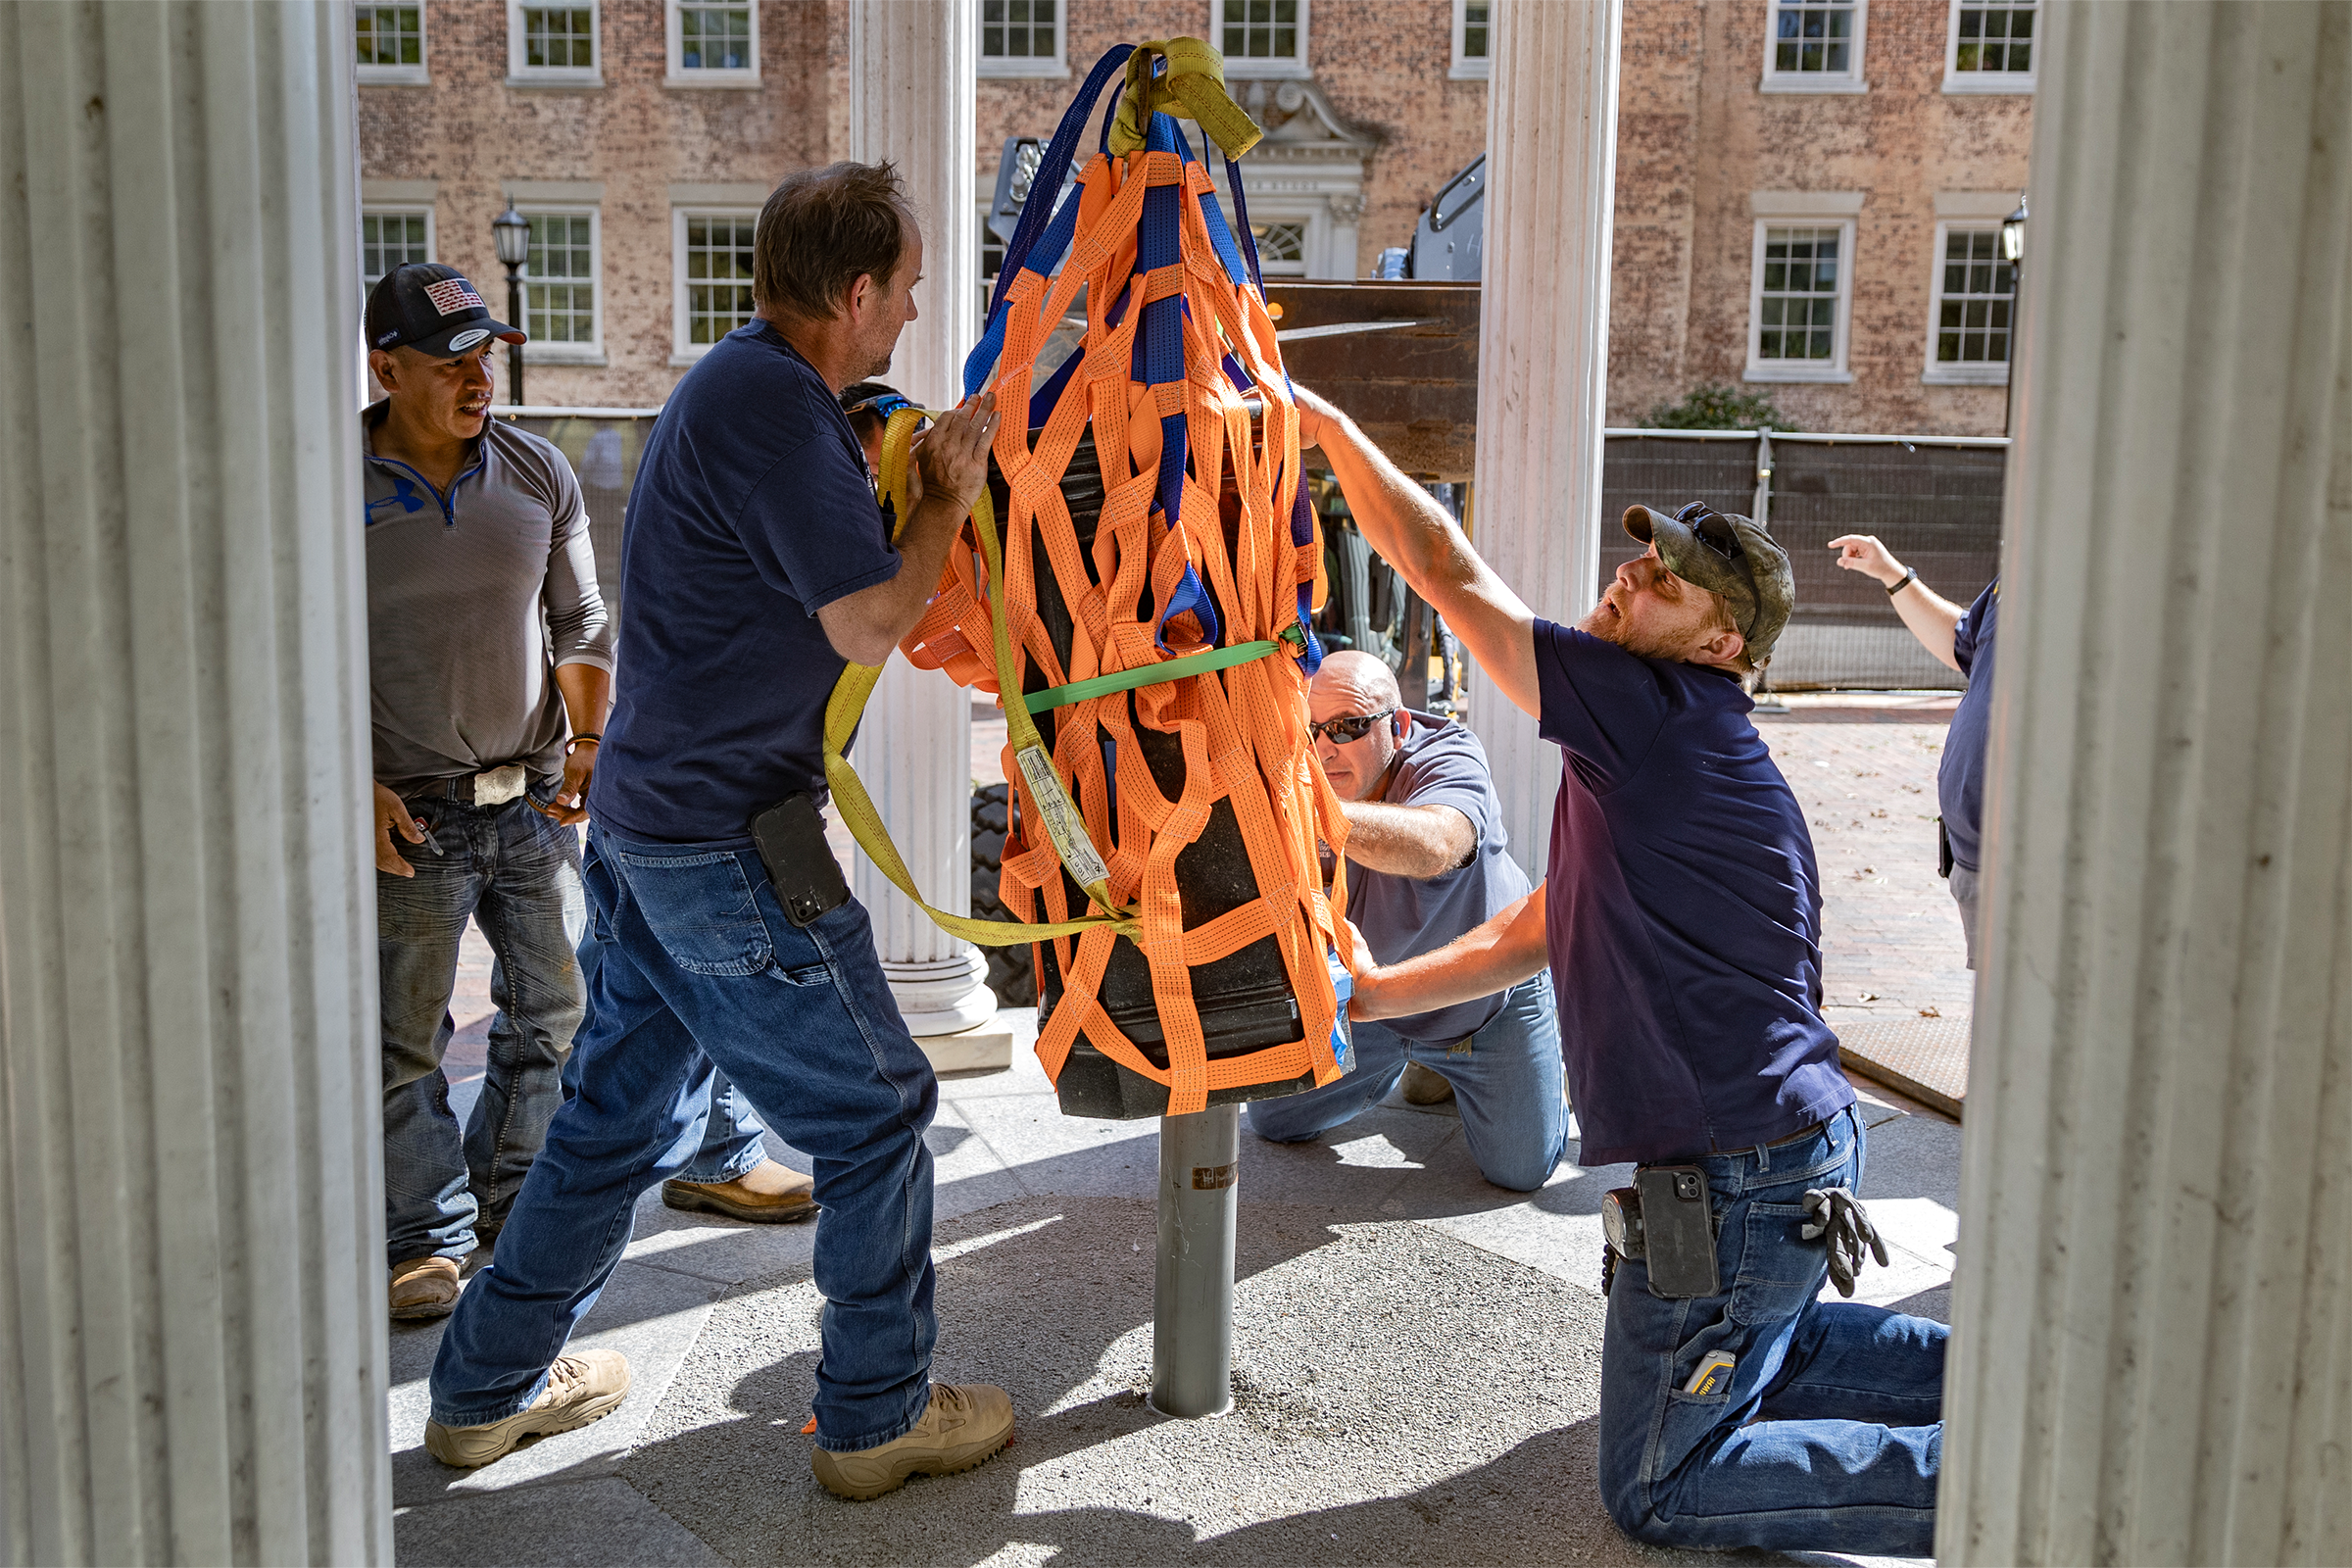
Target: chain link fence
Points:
(1935, 502)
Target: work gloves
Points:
(1836, 1214)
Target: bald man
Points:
(1426, 863)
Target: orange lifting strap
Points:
(1178, 344)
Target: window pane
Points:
(1261, 30)
(388, 240)
(1971, 313)
(1018, 29)
(1796, 307)
(1813, 37)
(1991, 35)
(714, 37)
(719, 274)
(390, 35)
(1476, 18)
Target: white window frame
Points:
(682, 352)
(418, 74)
(706, 76)
(1467, 68)
(536, 352)
(1031, 67)
(1774, 209)
(432, 239)
(1977, 372)
(1813, 81)
(1313, 216)
(1956, 81)
(1244, 66)
(521, 74)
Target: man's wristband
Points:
(1910, 575)
(581, 740)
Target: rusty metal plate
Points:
(1926, 1058)
(1413, 389)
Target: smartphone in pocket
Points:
(791, 838)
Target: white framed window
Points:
(553, 45)
(391, 46)
(713, 43)
(1281, 245)
(992, 257)
(1815, 46)
(1260, 37)
(1022, 38)
(1993, 46)
(711, 262)
(391, 237)
(561, 286)
(1473, 41)
(1971, 307)
(1800, 298)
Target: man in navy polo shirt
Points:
(1680, 917)
(757, 565)
(1963, 640)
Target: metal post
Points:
(515, 350)
(1192, 1288)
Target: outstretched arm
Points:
(1413, 534)
(1479, 962)
(1930, 615)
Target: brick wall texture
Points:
(1695, 137)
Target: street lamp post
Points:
(511, 232)
(2013, 251)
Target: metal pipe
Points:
(1192, 1287)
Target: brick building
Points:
(1792, 174)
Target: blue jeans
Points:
(1829, 1432)
(732, 1147)
(518, 874)
(1506, 1080)
(699, 965)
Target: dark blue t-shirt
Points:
(1682, 913)
(752, 510)
(1439, 764)
(1960, 780)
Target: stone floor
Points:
(1416, 1352)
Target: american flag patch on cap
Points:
(452, 295)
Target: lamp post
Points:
(511, 234)
(2013, 251)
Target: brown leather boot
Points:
(965, 1424)
(768, 1194)
(1425, 1086)
(425, 1288)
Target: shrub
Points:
(1721, 408)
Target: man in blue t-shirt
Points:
(1963, 640)
(758, 564)
(1679, 917)
(1427, 859)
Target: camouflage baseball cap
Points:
(1730, 555)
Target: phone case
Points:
(1677, 1222)
(791, 836)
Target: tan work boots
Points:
(580, 1389)
(768, 1194)
(965, 1424)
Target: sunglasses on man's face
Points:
(1344, 730)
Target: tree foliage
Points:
(1721, 408)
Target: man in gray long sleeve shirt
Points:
(490, 659)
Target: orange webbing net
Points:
(1244, 729)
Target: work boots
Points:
(768, 1194)
(580, 1389)
(965, 1424)
(424, 1288)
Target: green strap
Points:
(1078, 691)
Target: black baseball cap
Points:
(1726, 554)
(431, 308)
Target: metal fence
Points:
(1935, 502)
(602, 445)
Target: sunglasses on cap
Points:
(882, 404)
(1344, 730)
(1722, 539)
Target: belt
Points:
(491, 787)
(1798, 1136)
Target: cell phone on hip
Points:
(1678, 1224)
(791, 838)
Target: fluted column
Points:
(911, 100)
(192, 1345)
(1544, 351)
(2153, 1356)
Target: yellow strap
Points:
(1066, 828)
(1192, 88)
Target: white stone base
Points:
(943, 996)
(987, 1049)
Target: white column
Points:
(2153, 1358)
(912, 70)
(191, 1207)
(1544, 352)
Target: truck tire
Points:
(1008, 970)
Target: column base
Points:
(987, 1049)
(942, 997)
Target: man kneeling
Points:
(1426, 863)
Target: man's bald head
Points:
(1353, 685)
